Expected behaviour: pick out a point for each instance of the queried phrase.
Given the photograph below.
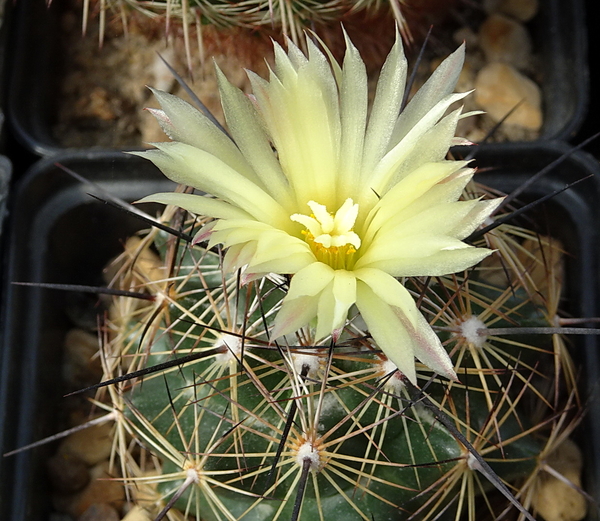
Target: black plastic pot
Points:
(4, 12)
(559, 33)
(5, 175)
(59, 234)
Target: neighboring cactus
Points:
(287, 18)
(259, 422)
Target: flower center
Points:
(330, 236)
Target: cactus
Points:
(223, 414)
(287, 18)
(251, 430)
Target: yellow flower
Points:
(314, 186)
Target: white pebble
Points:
(499, 87)
(505, 40)
(523, 10)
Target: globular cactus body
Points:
(338, 239)
(373, 452)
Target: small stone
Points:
(500, 87)
(523, 10)
(467, 35)
(68, 474)
(91, 445)
(145, 492)
(98, 103)
(148, 269)
(466, 78)
(82, 363)
(505, 40)
(554, 499)
(99, 512)
(101, 489)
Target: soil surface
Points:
(103, 91)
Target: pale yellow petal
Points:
(439, 85)
(236, 231)
(412, 143)
(247, 131)
(387, 330)
(423, 256)
(336, 299)
(389, 290)
(409, 190)
(287, 265)
(319, 69)
(432, 147)
(425, 344)
(293, 315)
(198, 204)
(274, 246)
(394, 210)
(300, 108)
(184, 123)
(301, 304)
(310, 281)
(286, 64)
(385, 110)
(325, 313)
(190, 166)
(451, 219)
(428, 348)
(272, 250)
(238, 255)
(353, 115)
(478, 214)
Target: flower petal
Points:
(301, 303)
(429, 350)
(418, 256)
(310, 281)
(184, 123)
(293, 315)
(408, 190)
(385, 110)
(426, 345)
(389, 290)
(456, 219)
(289, 264)
(190, 166)
(302, 118)
(198, 204)
(435, 143)
(246, 128)
(439, 85)
(238, 255)
(353, 114)
(273, 250)
(387, 330)
(336, 299)
(412, 144)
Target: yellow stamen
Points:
(331, 237)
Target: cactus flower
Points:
(344, 199)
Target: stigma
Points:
(331, 237)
